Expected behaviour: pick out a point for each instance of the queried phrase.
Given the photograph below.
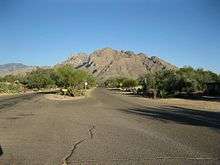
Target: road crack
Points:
(91, 133)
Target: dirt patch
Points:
(61, 97)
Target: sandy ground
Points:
(62, 97)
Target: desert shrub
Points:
(66, 77)
(91, 81)
(195, 79)
(120, 82)
(6, 87)
(112, 83)
(39, 78)
(13, 78)
(129, 52)
(9, 78)
(75, 92)
(129, 83)
(184, 80)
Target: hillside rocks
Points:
(107, 62)
(103, 63)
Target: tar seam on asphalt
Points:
(91, 133)
(152, 158)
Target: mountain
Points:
(14, 68)
(103, 63)
(107, 62)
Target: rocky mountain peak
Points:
(107, 62)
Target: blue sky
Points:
(45, 32)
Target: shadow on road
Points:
(8, 102)
(1, 151)
(179, 115)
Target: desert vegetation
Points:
(169, 83)
(120, 82)
(70, 81)
(185, 81)
(10, 84)
(8, 88)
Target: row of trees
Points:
(174, 82)
(62, 77)
(163, 83)
(166, 83)
(120, 82)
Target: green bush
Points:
(66, 77)
(112, 83)
(129, 83)
(185, 80)
(120, 82)
(39, 78)
(10, 78)
(13, 78)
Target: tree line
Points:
(165, 83)
(64, 77)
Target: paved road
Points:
(104, 129)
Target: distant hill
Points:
(107, 62)
(14, 68)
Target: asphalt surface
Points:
(104, 129)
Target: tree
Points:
(148, 82)
(39, 78)
(129, 83)
(120, 82)
(196, 79)
(66, 76)
(184, 80)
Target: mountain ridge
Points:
(108, 62)
(103, 63)
(14, 68)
